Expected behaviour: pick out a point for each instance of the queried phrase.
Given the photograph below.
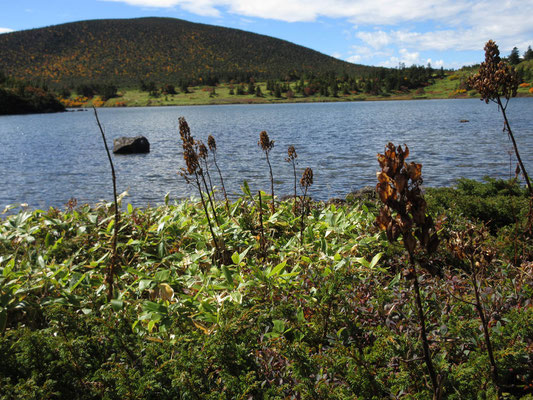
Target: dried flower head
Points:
(202, 150)
(185, 133)
(495, 78)
(212, 143)
(264, 142)
(191, 159)
(399, 190)
(291, 151)
(307, 178)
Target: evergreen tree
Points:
(251, 87)
(528, 55)
(514, 57)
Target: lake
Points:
(46, 159)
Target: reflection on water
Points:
(47, 159)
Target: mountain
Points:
(164, 50)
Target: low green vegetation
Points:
(328, 316)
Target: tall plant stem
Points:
(210, 199)
(510, 132)
(207, 215)
(271, 183)
(481, 313)
(111, 269)
(295, 179)
(302, 223)
(422, 318)
(262, 231)
(222, 182)
(209, 178)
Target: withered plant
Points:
(305, 182)
(194, 169)
(202, 157)
(112, 268)
(292, 156)
(266, 144)
(404, 214)
(469, 245)
(497, 80)
(212, 144)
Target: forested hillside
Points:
(125, 51)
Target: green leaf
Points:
(279, 326)
(48, 240)
(235, 258)
(153, 307)
(277, 269)
(130, 208)
(227, 275)
(162, 276)
(300, 315)
(144, 284)
(237, 297)
(110, 225)
(246, 188)
(375, 260)
(117, 304)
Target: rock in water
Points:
(131, 145)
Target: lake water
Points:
(47, 159)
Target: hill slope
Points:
(123, 51)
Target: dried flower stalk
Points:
(266, 144)
(494, 81)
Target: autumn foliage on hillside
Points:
(154, 49)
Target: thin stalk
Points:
(111, 269)
(302, 223)
(481, 313)
(207, 214)
(271, 182)
(209, 197)
(510, 132)
(295, 179)
(209, 177)
(261, 231)
(221, 181)
(422, 319)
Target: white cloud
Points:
(405, 57)
(5, 30)
(354, 59)
(463, 24)
(336, 55)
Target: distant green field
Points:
(452, 86)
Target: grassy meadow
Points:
(449, 87)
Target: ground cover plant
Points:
(329, 318)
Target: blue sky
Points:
(449, 33)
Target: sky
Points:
(448, 33)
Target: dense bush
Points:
(28, 99)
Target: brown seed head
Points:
(264, 142)
(212, 143)
(191, 159)
(291, 151)
(185, 132)
(495, 78)
(307, 178)
(202, 150)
